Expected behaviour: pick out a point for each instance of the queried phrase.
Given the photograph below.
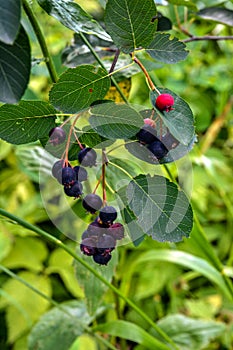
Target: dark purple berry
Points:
(105, 244)
(57, 170)
(116, 231)
(96, 229)
(85, 235)
(57, 136)
(158, 149)
(87, 157)
(147, 134)
(102, 259)
(75, 190)
(68, 176)
(108, 214)
(81, 173)
(88, 246)
(92, 203)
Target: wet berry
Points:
(158, 149)
(105, 244)
(147, 134)
(164, 102)
(57, 136)
(108, 214)
(102, 259)
(88, 246)
(87, 157)
(92, 203)
(68, 176)
(75, 190)
(81, 173)
(116, 231)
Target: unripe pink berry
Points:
(150, 122)
(164, 102)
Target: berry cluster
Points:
(99, 240)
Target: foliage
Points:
(168, 284)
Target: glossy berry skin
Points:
(105, 244)
(102, 259)
(147, 134)
(92, 203)
(75, 190)
(158, 149)
(164, 102)
(108, 214)
(68, 176)
(81, 173)
(87, 157)
(88, 246)
(116, 231)
(57, 136)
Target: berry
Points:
(158, 149)
(88, 246)
(102, 259)
(147, 134)
(105, 244)
(164, 102)
(57, 136)
(75, 190)
(150, 122)
(116, 231)
(95, 229)
(68, 176)
(108, 214)
(87, 157)
(81, 173)
(92, 203)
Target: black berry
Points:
(75, 190)
(108, 214)
(68, 176)
(170, 141)
(116, 231)
(158, 149)
(57, 136)
(92, 203)
(102, 259)
(96, 229)
(147, 134)
(87, 157)
(81, 173)
(105, 244)
(88, 246)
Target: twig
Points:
(207, 37)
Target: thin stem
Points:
(150, 82)
(84, 39)
(104, 162)
(114, 62)
(60, 244)
(40, 37)
(207, 37)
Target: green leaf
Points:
(131, 331)
(187, 261)
(58, 328)
(162, 211)
(72, 16)
(166, 50)
(189, 333)
(130, 23)
(5, 243)
(93, 288)
(115, 121)
(179, 121)
(217, 14)
(26, 122)
(186, 3)
(31, 305)
(60, 262)
(89, 137)
(26, 253)
(9, 20)
(15, 66)
(79, 87)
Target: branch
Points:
(207, 37)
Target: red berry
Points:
(164, 102)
